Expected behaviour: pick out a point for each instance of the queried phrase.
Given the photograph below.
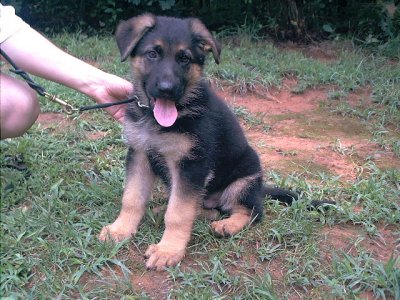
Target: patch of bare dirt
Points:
(59, 122)
(155, 284)
(348, 239)
(305, 136)
(54, 121)
(96, 135)
(360, 97)
(277, 101)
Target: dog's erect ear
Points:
(205, 39)
(130, 32)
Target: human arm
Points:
(35, 54)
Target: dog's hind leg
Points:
(138, 186)
(239, 218)
(242, 200)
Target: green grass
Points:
(362, 272)
(51, 215)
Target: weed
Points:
(337, 95)
(354, 274)
(342, 150)
(251, 119)
(287, 153)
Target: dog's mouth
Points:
(165, 112)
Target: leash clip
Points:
(140, 104)
(68, 108)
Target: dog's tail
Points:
(287, 197)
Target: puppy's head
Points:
(167, 57)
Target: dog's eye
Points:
(184, 59)
(152, 54)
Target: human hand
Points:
(112, 89)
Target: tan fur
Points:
(239, 218)
(195, 75)
(132, 31)
(210, 44)
(138, 67)
(181, 47)
(231, 195)
(181, 212)
(145, 20)
(173, 146)
(198, 28)
(159, 43)
(209, 178)
(178, 226)
(138, 186)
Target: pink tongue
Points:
(165, 112)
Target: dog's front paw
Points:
(115, 232)
(159, 257)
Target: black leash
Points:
(104, 105)
(68, 108)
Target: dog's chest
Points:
(144, 136)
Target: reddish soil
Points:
(54, 121)
(305, 136)
(154, 284)
(348, 239)
(59, 122)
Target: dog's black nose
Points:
(166, 87)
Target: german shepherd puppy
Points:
(180, 131)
